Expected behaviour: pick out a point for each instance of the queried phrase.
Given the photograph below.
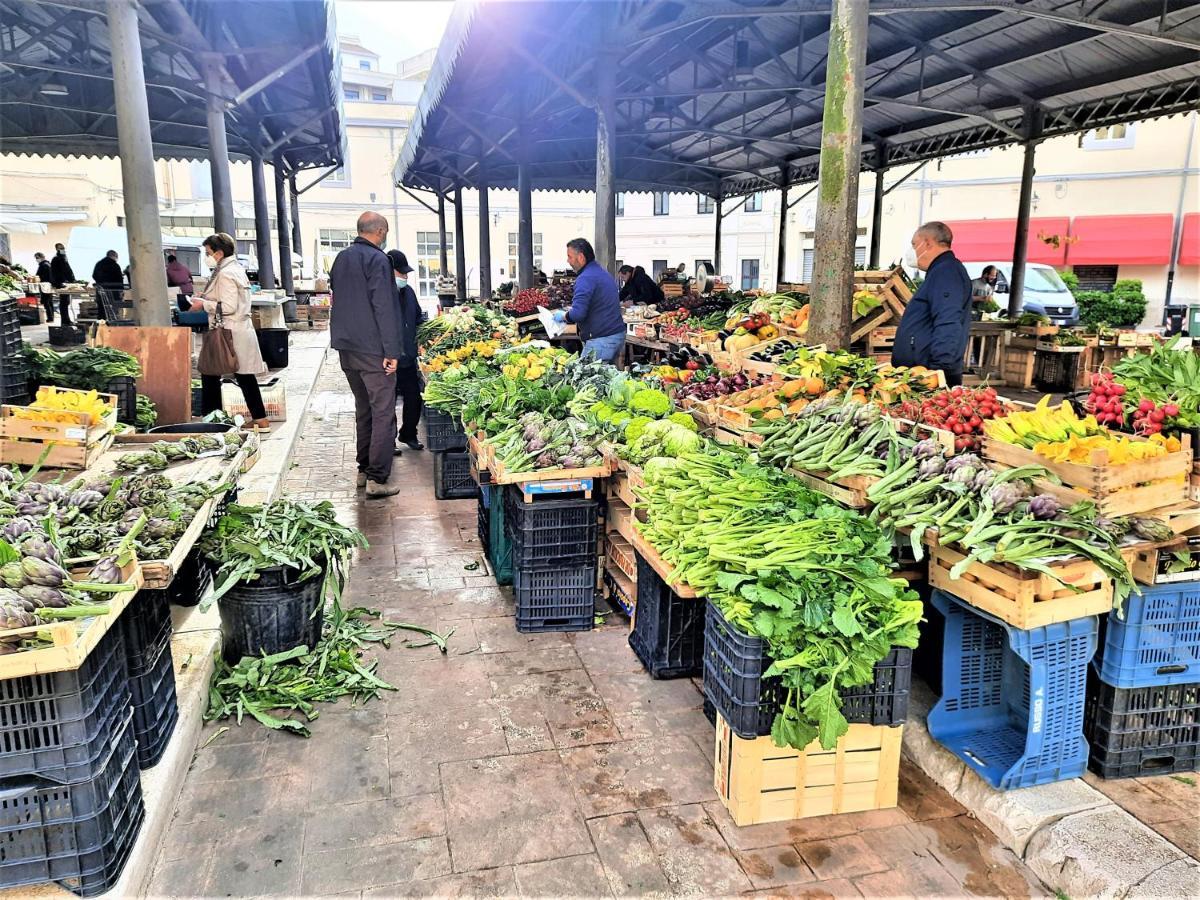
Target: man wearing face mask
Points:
(937, 322)
(408, 376)
(595, 305)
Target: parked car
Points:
(1044, 292)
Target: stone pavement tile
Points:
(628, 859)
(428, 685)
(525, 727)
(847, 856)
(574, 711)
(1146, 804)
(919, 879)
(353, 868)
(185, 876)
(831, 889)
(500, 636)
(220, 801)
(923, 799)
(455, 565)
(1183, 833)
(626, 776)
(484, 883)
(462, 642)
(356, 770)
(225, 762)
(261, 857)
(976, 860)
(420, 741)
(606, 651)
(574, 876)
(772, 867)
(530, 661)
(798, 831)
(377, 554)
(480, 602)
(1183, 789)
(643, 707)
(691, 852)
(511, 809)
(376, 822)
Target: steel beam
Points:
(443, 255)
(294, 198)
(262, 225)
(485, 231)
(267, 80)
(781, 253)
(1016, 285)
(837, 195)
(717, 235)
(606, 157)
(283, 225)
(877, 206)
(460, 244)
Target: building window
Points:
(429, 265)
(658, 267)
(1110, 137)
(364, 64)
(352, 93)
(620, 203)
(662, 203)
(806, 266)
(335, 238)
(379, 96)
(749, 274)
(340, 176)
(513, 260)
(754, 202)
(704, 205)
(702, 262)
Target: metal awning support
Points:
(485, 231)
(717, 237)
(431, 208)
(606, 150)
(294, 197)
(1016, 285)
(837, 195)
(262, 224)
(781, 256)
(269, 79)
(147, 272)
(524, 214)
(218, 146)
(443, 256)
(460, 245)
(283, 225)
(877, 206)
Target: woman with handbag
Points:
(230, 346)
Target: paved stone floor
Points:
(542, 765)
(1170, 804)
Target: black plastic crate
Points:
(192, 581)
(442, 431)
(152, 743)
(668, 630)
(155, 710)
(551, 533)
(67, 335)
(1137, 732)
(125, 388)
(142, 625)
(1055, 372)
(555, 599)
(78, 835)
(452, 476)
(482, 515)
(734, 663)
(149, 687)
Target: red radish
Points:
(1170, 410)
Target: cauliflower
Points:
(635, 428)
(682, 418)
(602, 411)
(650, 402)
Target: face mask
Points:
(383, 244)
(910, 258)
(401, 283)
(210, 260)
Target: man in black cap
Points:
(408, 376)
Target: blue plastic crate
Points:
(1013, 699)
(1156, 643)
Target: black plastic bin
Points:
(155, 708)
(271, 614)
(273, 342)
(192, 581)
(442, 431)
(145, 630)
(1138, 732)
(452, 476)
(668, 630)
(66, 335)
(734, 663)
(125, 387)
(555, 599)
(550, 534)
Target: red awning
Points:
(1189, 245)
(991, 240)
(1121, 240)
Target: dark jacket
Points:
(641, 289)
(596, 305)
(365, 315)
(60, 270)
(43, 271)
(178, 275)
(934, 329)
(411, 315)
(107, 271)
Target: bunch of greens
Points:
(147, 413)
(809, 577)
(538, 442)
(660, 437)
(290, 533)
(85, 369)
(461, 325)
(1166, 374)
(839, 439)
(160, 454)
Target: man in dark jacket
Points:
(637, 287)
(365, 330)
(109, 281)
(934, 329)
(44, 276)
(408, 376)
(61, 274)
(595, 306)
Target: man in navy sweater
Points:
(934, 329)
(595, 306)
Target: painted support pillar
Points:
(606, 161)
(283, 226)
(877, 206)
(1016, 287)
(460, 246)
(262, 224)
(218, 149)
(485, 234)
(147, 269)
(717, 237)
(781, 255)
(297, 242)
(443, 254)
(525, 276)
(837, 191)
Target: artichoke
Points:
(32, 508)
(927, 449)
(15, 616)
(983, 480)
(963, 460)
(1152, 529)
(1044, 507)
(6, 475)
(41, 548)
(39, 571)
(12, 575)
(931, 466)
(963, 475)
(866, 415)
(570, 462)
(535, 446)
(545, 461)
(85, 499)
(18, 527)
(40, 595)
(1004, 497)
(105, 572)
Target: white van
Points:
(87, 244)
(1044, 292)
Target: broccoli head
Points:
(649, 402)
(602, 411)
(682, 418)
(635, 428)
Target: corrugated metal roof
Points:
(67, 45)
(727, 96)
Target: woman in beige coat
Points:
(228, 290)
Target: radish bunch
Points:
(1105, 401)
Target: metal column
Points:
(147, 269)
(460, 245)
(283, 222)
(525, 275)
(606, 152)
(781, 256)
(218, 148)
(485, 235)
(443, 257)
(877, 207)
(262, 224)
(1016, 286)
(837, 192)
(717, 238)
(297, 244)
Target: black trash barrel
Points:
(271, 614)
(273, 342)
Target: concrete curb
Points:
(1073, 837)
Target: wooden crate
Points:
(759, 782)
(82, 428)
(659, 565)
(51, 455)
(881, 340)
(850, 491)
(620, 520)
(500, 475)
(672, 289)
(1118, 489)
(1023, 598)
(1144, 563)
(620, 554)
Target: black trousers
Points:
(48, 303)
(374, 413)
(408, 387)
(210, 395)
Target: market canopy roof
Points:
(727, 96)
(56, 78)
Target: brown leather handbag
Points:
(217, 356)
